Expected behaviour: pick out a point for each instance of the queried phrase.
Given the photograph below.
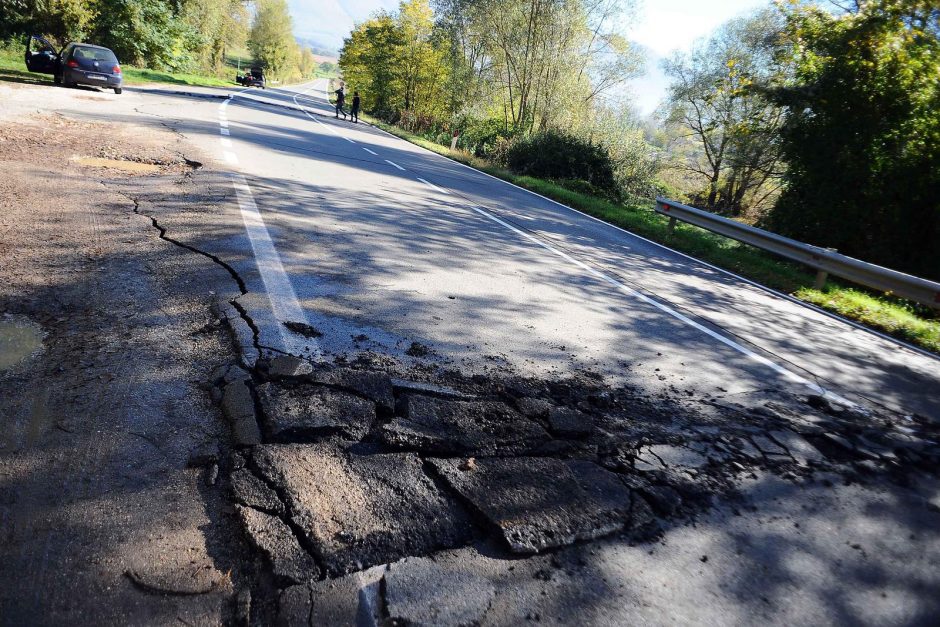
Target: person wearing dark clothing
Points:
(340, 101)
(354, 112)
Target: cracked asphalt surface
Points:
(499, 411)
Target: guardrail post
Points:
(821, 276)
(672, 224)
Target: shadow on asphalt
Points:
(422, 220)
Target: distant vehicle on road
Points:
(76, 64)
(253, 78)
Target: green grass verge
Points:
(906, 321)
(137, 76)
(890, 317)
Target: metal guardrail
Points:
(825, 261)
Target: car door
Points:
(41, 56)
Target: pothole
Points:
(20, 339)
(134, 167)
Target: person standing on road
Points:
(340, 101)
(354, 112)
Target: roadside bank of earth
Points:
(109, 508)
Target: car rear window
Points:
(95, 54)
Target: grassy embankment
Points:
(907, 321)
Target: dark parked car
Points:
(254, 78)
(76, 64)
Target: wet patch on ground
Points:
(20, 341)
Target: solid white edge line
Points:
(780, 370)
(751, 282)
(280, 292)
(433, 186)
(395, 164)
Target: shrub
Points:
(482, 137)
(558, 156)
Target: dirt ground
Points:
(108, 508)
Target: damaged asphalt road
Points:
(163, 463)
(357, 509)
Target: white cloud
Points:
(668, 25)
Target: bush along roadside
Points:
(906, 321)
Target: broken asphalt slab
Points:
(238, 405)
(356, 509)
(452, 427)
(539, 503)
(305, 413)
(278, 544)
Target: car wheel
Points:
(66, 82)
(57, 79)
(117, 90)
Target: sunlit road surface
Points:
(378, 243)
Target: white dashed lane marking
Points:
(433, 186)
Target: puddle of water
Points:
(18, 341)
(116, 164)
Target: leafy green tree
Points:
(271, 39)
(216, 25)
(862, 140)
(306, 64)
(145, 33)
(731, 128)
(62, 20)
(369, 65)
(420, 59)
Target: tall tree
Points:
(217, 25)
(732, 126)
(862, 140)
(271, 39)
(145, 33)
(369, 66)
(420, 58)
(307, 63)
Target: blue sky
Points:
(663, 27)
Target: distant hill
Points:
(319, 49)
